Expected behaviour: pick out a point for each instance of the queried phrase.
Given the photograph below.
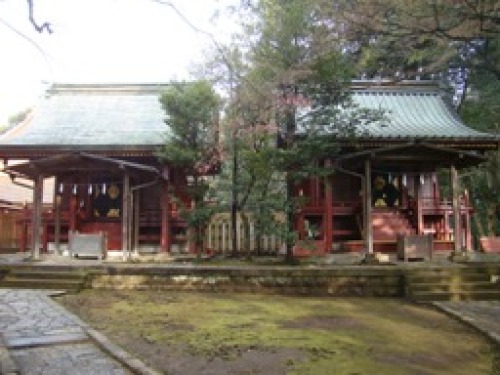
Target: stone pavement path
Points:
(484, 315)
(41, 337)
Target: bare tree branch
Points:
(198, 30)
(44, 26)
(31, 41)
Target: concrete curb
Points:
(122, 356)
(7, 364)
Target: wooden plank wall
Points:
(9, 230)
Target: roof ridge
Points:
(92, 88)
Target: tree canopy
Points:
(396, 35)
(192, 113)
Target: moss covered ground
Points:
(193, 333)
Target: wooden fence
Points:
(219, 236)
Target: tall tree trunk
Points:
(234, 199)
(490, 220)
(246, 235)
(479, 225)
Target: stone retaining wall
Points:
(382, 282)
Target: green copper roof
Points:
(412, 110)
(90, 116)
(417, 111)
(122, 117)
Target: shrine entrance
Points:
(93, 194)
(386, 190)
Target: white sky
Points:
(102, 41)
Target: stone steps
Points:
(477, 295)
(27, 278)
(456, 284)
(442, 278)
(387, 225)
(455, 288)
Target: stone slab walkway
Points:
(38, 336)
(483, 315)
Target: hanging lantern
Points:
(75, 189)
(90, 189)
(103, 189)
(422, 179)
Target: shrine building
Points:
(385, 183)
(98, 144)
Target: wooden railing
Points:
(443, 205)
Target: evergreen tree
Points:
(192, 110)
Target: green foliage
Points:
(19, 117)
(482, 111)
(192, 111)
(392, 35)
(255, 183)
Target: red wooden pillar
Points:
(435, 190)
(130, 223)
(136, 203)
(45, 238)
(467, 229)
(418, 201)
(191, 234)
(457, 227)
(328, 219)
(446, 226)
(126, 200)
(368, 208)
(165, 219)
(73, 202)
(57, 217)
(36, 221)
(23, 238)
